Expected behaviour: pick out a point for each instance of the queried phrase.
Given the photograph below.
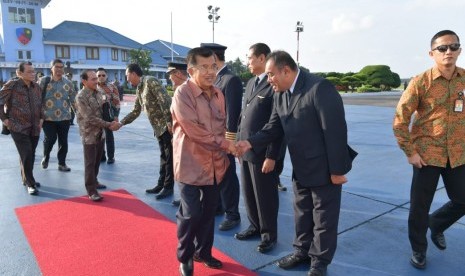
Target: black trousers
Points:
(196, 220)
(424, 184)
(261, 199)
(92, 155)
(316, 211)
(166, 175)
(229, 191)
(26, 146)
(110, 142)
(52, 131)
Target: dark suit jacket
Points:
(315, 131)
(255, 114)
(231, 86)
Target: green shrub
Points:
(368, 88)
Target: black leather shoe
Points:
(292, 260)
(164, 193)
(229, 224)
(37, 184)
(210, 262)
(418, 259)
(32, 190)
(154, 190)
(247, 234)
(95, 197)
(44, 163)
(281, 187)
(111, 160)
(317, 271)
(186, 269)
(63, 168)
(100, 186)
(266, 246)
(176, 202)
(439, 240)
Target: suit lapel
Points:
(254, 93)
(298, 90)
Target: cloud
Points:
(351, 23)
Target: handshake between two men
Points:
(239, 148)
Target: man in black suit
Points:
(231, 86)
(258, 174)
(309, 112)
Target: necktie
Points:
(257, 80)
(288, 98)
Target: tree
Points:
(381, 76)
(141, 57)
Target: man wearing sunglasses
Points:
(434, 144)
(113, 95)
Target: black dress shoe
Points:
(164, 193)
(281, 187)
(266, 246)
(37, 184)
(154, 190)
(32, 191)
(44, 163)
(100, 186)
(317, 271)
(210, 262)
(247, 234)
(95, 197)
(111, 160)
(229, 224)
(439, 240)
(176, 202)
(186, 269)
(418, 259)
(292, 260)
(63, 168)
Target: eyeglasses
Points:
(101, 75)
(205, 68)
(443, 48)
(58, 66)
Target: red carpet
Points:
(119, 236)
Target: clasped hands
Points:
(115, 125)
(239, 148)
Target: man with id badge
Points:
(435, 144)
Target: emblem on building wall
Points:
(24, 35)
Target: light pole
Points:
(298, 28)
(213, 17)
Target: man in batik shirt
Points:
(57, 102)
(89, 102)
(113, 95)
(153, 98)
(434, 144)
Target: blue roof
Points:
(73, 32)
(164, 48)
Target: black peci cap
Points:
(217, 48)
(176, 66)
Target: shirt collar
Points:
(291, 89)
(261, 76)
(436, 73)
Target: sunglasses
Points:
(443, 48)
(101, 76)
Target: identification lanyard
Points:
(458, 106)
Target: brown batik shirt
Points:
(89, 116)
(437, 132)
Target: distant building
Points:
(80, 45)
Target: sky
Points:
(338, 36)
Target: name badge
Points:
(458, 106)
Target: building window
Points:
(114, 54)
(124, 55)
(62, 51)
(21, 15)
(24, 55)
(92, 53)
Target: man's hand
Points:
(41, 123)
(338, 179)
(416, 160)
(268, 165)
(114, 126)
(242, 147)
(232, 148)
